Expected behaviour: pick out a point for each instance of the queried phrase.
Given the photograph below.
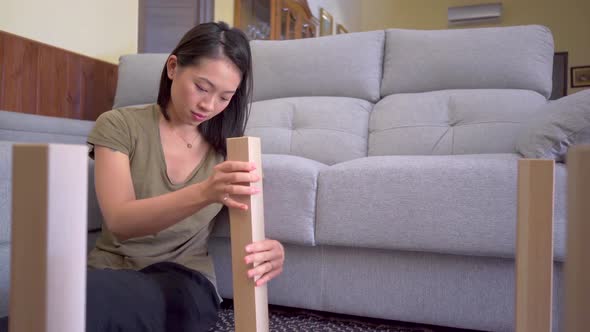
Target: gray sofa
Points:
(390, 169)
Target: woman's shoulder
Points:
(137, 112)
(130, 116)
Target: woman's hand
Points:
(267, 257)
(228, 178)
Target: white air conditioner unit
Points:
(475, 13)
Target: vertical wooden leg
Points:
(48, 254)
(577, 263)
(534, 245)
(250, 302)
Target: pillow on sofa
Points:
(557, 126)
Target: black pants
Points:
(163, 297)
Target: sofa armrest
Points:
(557, 126)
(290, 187)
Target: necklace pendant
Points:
(188, 145)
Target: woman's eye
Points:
(200, 88)
(224, 99)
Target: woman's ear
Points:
(172, 66)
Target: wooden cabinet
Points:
(275, 19)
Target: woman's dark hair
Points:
(215, 40)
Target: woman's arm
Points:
(127, 217)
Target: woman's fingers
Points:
(239, 177)
(268, 276)
(235, 166)
(262, 257)
(231, 203)
(258, 246)
(268, 257)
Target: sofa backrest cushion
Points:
(346, 65)
(139, 79)
(326, 129)
(451, 122)
(519, 57)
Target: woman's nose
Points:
(207, 103)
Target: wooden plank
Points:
(534, 245)
(48, 253)
(577, 269)
(250, 302)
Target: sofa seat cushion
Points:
(326, 129)
(446, 204)
(290, 186)
(451, 121)
(5, 190)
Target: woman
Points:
(160, 179)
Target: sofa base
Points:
(447, 290)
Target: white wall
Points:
(345, 12)
(102, 29)
(224, 11)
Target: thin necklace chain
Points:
(189, 145)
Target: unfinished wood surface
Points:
(534, 245)
(577, 263)
(48, 254)
(250, 302)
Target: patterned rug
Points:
(295, 320)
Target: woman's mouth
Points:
(197, 116)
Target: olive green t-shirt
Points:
(134, 131)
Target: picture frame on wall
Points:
(560, 63)
(580, 77)
(341, 29)
(326, 23)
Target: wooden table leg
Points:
(250, 302)
(49, 230)
(534, 245)
(577, 263)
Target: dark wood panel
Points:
(94, 98)
(73, 92)
(19, 77)
(42, 79)
(2, 47)
(52, 83)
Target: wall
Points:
(345, 12)
(224, 11)
(102, 29)
(567, 19)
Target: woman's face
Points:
(200, 92)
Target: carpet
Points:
(295, 320)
